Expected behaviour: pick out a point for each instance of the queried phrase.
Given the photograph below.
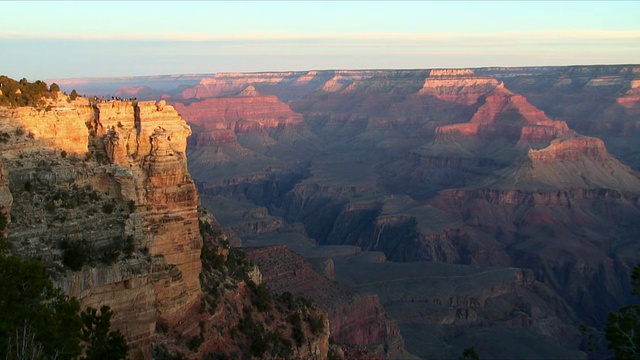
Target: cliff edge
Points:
(101, 193)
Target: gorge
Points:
(393, 213)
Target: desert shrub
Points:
(50, 206)
(4, 220)
(469, 353)
(194, 342)
(259, 345)
(334, 355)
(316, 324)
(132, 206)
(28, 186)
(623, 327)
(217, 355)
(296, 330)
(238, 266)
(73, 95)
(74, 254)
(110, 256)
(108, 208)
(263, 297)
(63, 154)
(129, 245)
(287, 298)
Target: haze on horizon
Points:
(64, 39)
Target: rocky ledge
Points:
(100, 191)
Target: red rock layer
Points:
(355, 319)
(249, 111)
(571, 149)
(509, 115)
(459, 87)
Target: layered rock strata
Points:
(354, 318)
(102, 178)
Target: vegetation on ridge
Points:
(38, 321)
(623, 327)
(257, 324)
(25, 93)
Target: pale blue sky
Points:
(56, 39)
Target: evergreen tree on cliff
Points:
(102, 343)
(34, 316)
(38, 321)
(623, 327)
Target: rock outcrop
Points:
(355, 318)
(105, 177)
(247, 111)
(149, 140)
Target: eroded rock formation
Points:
(103, 177)
(355, 318)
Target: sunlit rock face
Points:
(149, 139)
(107, 175)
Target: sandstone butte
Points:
(141, 164)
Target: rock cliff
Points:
(355, 318)
(103, 196)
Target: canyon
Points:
(99, 191)
(441, 208)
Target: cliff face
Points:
(354, 318)
(150, 140)
(6, 200)
(110, 180)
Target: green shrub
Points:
(333, 355)
(194, 342)
(108, 208)
(4, 220)
(129, 246)
(316, 324)
(263, 298)
(74, 255)
(132, 206)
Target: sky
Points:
(69, 39)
